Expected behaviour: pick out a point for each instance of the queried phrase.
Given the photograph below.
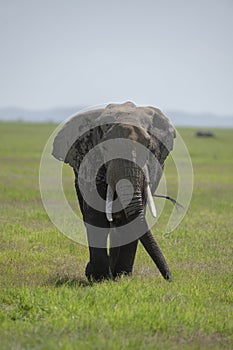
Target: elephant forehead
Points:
(146, 117)
(130, 116)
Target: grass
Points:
(46, 302)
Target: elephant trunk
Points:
(131, 201)
(156, 255)
(128, 181)
(130, 192)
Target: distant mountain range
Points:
(54, 115)
(57, 115)
(200, 120)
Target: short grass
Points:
(46, 302)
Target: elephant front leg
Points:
(121, 256)
(97, 268)
(97, 227)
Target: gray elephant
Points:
(117, 154)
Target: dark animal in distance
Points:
(205, 134)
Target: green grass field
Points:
(45, 300)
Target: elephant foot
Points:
(122, 274)
(94, 275)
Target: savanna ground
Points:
(46, 302)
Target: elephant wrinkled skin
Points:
(130, 145)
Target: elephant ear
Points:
(162, 134)
(77, 137)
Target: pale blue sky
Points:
(174, 54)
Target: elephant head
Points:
(132, 144)
(127, 176)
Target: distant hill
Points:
(54, 115)
(200, 120)
(57, 115)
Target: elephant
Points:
(117, 154)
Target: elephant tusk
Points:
(149, 194)
(109, 200)
(151, 202)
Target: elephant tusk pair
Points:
(110, 195)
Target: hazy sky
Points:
(174, 54)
